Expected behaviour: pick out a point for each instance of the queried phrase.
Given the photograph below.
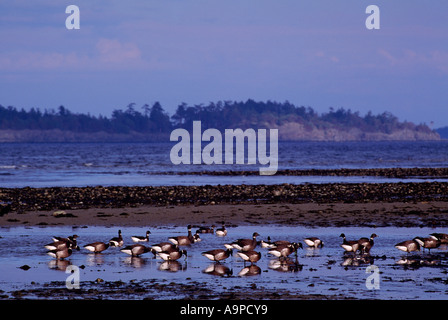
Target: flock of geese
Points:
(171, 250)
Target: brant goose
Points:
(60, 254)
(116, 241)
(96, 247)
(244, 244)
(185, 240)
(206, 229)
(163, 246)
(267, 244)
(135, 250)
(284, 250)
(172, 255)
(443, 237)
(366, 243)
(429, 243)
(314, 242)
(250, 256)
(350, 246)
(408, 245)
(217, 254)
(140, 238)
(221, 232)
(60, 245)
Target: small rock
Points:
(59, 213)
(25, 267)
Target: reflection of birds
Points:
(60, 265)
(250, 256)
(135, 262)
(366, 243)
(116, 241)
(217, 254)
(171, 266)
(286, 265)
(218, 269)
(140, 238)
(350, 246)
(244, 244)
(135, 250)
(60, 254)
(251, 270)
(96, 247)
(429, 243)
(314, 242)
(358, 260)
(408, 246)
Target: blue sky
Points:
(312, 53)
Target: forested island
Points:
(153, 123)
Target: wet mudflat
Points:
(27, 272)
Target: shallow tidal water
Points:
(324, 271)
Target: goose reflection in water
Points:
(218, 269)
(251, 270)
(285, 265)
(355, 261)
(60, 265)
(418, 261)
(172, 266)
(135, 262)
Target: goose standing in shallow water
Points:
(366, 243)
(206, 229)
(429, 243)
(244, 244)
(267, 244)
(135, 250)
(185, 240)
(443, 237)
(250, 256)
(60, 245)
(350, 246)
(163, 246)
(117, 241)
(97, 247)
(140, 238)
(217, 254)
(283, 251)
(172, 255)
(221, 232)
(408, 246)
(314, 242)
(60, 254)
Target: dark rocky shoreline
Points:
(74, 198)
(402, 173)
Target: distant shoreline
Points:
(286, 134)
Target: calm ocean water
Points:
(145, 164)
